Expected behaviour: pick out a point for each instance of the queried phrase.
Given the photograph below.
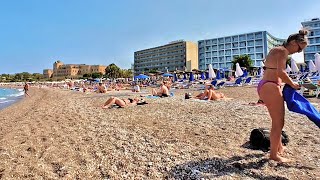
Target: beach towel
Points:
(297, 103)
(152, 97)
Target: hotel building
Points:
(221, 51)
(313, 26)
(72, 70)
(177, 55)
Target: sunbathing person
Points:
(120, 102)
(163, 92)
(204, 95)
(101, 88)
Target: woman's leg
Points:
(271, 94)
(120, 102)
(109, 102)
(154, 92)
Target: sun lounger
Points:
(313, 90)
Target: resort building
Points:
(72, 70)
(221, 51)
(177, 55)
(47, 73)
(313, 26)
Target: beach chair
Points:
(302, 77)
(248, 81)
(238, 82)
(220, 85)
(309, 89)
(214, 82)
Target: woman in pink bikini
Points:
(269, 87)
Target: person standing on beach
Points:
(26, 89)
(269, 87)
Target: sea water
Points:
(9, 96)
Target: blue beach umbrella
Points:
(301, 68)
(207, 75)
(202, 76)
(141, 76)
(175, 78)
(167, 75)
(218, 75)
(191, 78)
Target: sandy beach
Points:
(60, 134)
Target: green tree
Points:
(243, 60)
(126, 73)
(97, 75)
(153, 71)
(113, 71)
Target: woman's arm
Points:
(281, 58)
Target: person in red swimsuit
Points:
(269, 87)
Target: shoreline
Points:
(12, 99)
(65, 134)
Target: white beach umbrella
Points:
(239, 71)
(294, 66)
(212, 74)
(317, 61)
(312, 67)
(261, 69)
(288, 70)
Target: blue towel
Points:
(297, 103)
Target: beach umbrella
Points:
(312, 66)
(294, 66)
(261, 68)
(203, 76)
(141, 76)
(207, 75)
(191, 78)
(288, 70)
(239, 71)
(212, 74)
(317, 61)
(167, 75)
(184, 76)
(218, 75)
(301, 68)
(175, 78)
(245, 73)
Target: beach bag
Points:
(260, 138)
(187, 96)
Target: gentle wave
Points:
(2, 102)
(2, 98)
(17, 95)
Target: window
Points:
(242, 37)
(250, 50)
(228, 46)
(250, 43)
(221, 40)
(221, 46)
(214, 48)
(228, 52)
(235, 51)
(235, 38)
(250, 36)
(208, 54)
(208, 48)
(215, 59)
(258, 42)
(221, 53)
(228, 39)
(214, 53)
(214, 41)
(243, 44)
(235, 45)
(259, 49)
(243, 50)
(208, 42)
(258, 35)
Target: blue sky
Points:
(35, 33)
